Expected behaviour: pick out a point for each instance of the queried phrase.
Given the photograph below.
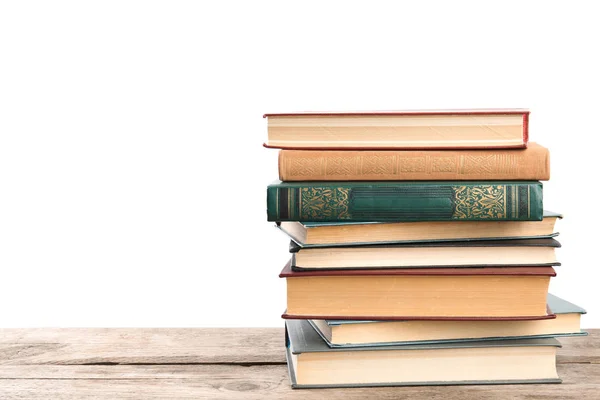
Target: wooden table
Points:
(222, 364)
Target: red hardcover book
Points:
(418, 129)
(517, 293)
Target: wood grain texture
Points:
(68, 364)
(141, 346)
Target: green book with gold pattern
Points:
(405, 201)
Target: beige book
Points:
(532, 163)
(371, 333)
(313, 364)
(425, 293)
(318, 233)
(432, 129)
(482, 253)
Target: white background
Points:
(132, 172)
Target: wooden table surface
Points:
(223, 364)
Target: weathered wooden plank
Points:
(569, 372)
(213, 336)
(185, 346)
(42, 364)
(577, 349)
(155, 346)
(254, 382)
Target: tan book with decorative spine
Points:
(532, 163)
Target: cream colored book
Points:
(498, 253)
(418, 293)
(313, 364)
(323, 234)
(343, 333)
(418, 129)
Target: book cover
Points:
(288, 272)
(534, 242)
(504, 258)
(532, 163)
(413, 129)
(304, 339)
(301, 338)
(556, 305)
(335, 234)
(562, 306)
(345, 274)
(404, 201)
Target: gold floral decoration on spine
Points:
(324, 203)
(479, 202)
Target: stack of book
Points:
(420, 249)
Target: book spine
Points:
(452, 201)
(307, 165)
